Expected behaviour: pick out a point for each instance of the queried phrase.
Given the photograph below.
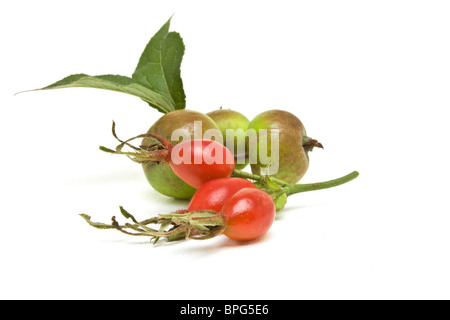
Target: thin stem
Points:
(297, 188)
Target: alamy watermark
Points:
(258, 147)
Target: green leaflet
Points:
(159, 65)
(156, 80)
(116, 83)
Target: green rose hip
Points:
(293, 148)
(230, 119)
(160, 175)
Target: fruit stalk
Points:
(297, 188)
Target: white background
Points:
(369, 79)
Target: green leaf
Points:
(156, 79)
(115, 83)
(159, 66)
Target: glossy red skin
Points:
(213, 194)
(196, 174)
(249, 214)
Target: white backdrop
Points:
(369, 79)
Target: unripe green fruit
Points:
(160, 175)
(294, 145)
(230, 119)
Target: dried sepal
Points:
(178, 225)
